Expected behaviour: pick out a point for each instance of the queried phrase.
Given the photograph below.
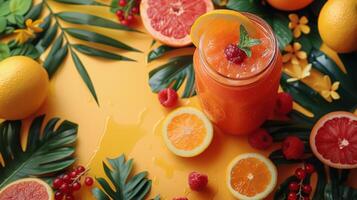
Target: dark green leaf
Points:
(283, 190)
(35, 12)
(153, 43)
(88, 19)
(4, 51)
(20, 7)
(173, 74)
(98, 38)
(3, 24)
(5, 8)
(349, 61)
(251, 6)
(135, 188)
(321, 178)
(84, 75)
(305, 42)
(26, 50)
(53, 61)
(159, 52)
(220, 2)
(157, 197)
(48, 152)
(47, 39)
(79, 2)
(281, 29)
(99, 53)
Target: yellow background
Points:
(128, 119)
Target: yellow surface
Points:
(128, 121)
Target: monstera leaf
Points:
(125, 187)
(47, 151)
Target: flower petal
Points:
(294, 18)
(335, 86)
(297, 46)
(286, 57)
(303, 20)
(292, 25)
(28, 22)
(296, 32)
(335, 95)
(327, 81)
(305, 29)
(326, 95)
(301, 55)
(288, 48)
(294, 60)
(292, 80)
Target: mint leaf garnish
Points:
(245, 42)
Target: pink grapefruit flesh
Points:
(170, 21)
(29, 189)
(334, 140)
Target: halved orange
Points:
(187, 132)
(214, 18)
(251, 176)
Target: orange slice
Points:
(251, 176)
(187, 132)
(214, 18)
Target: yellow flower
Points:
(298, 73)
(294, 54)
(330, 93)
(298, 25)
(29, 32)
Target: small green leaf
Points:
(26, 50)
(47, 39)
(281, 29)
(245, 42)
(79, 2)
(5, 8)
(11, 18)
(98, 38)
(35, 12)
(4, 51)
(251, 6)
(84, 75)
(349, 61)
(88, 19)
(99, 195)
(20, 7)
(3, 24)
(99, 53)
(159, 52)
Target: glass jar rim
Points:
(249, 79)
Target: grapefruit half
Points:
(334, 140)
(27, 188)
(170, 21)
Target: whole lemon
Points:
(338, 25)
(23, 87)
(289, 5)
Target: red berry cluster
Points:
(68, 183)
(127, 11)
(299, 190)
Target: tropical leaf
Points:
(34, 12)
(99, 53)
(283, 189)
(251, 6)
(25, 50)
(47, 39)
(79, 2)
(88, 19)
(98, 38)
(173, 74)
(159, 52)
(51, 64)
(135, 188)
(280, 27)
(47, 151)
(84, 75)
(349, 61)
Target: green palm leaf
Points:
(79, 2)
(48, 151)
(173, 74)
(159, 52)
(99, 53)
(125, 187)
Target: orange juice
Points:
(238, 98)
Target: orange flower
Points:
(29, 32)
(298, 25)
(330, 93)
(294, 54)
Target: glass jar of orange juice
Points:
(238, 96)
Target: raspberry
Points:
(284, 103)
(293, 148)
(260, 139)
(234, 54)
(180, 198)
(168, 97)
(197, 181)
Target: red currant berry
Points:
(69, 197)
(88, 181)
(300, 173)
(306, 198)
(130, 18)
(76, 186)
(57, 183)
(122, 2)
(66, 178)
(64, 188)
(58, 195)
(284, 103)
(180, 198)
(168, 97)
(293, 147)
(292, 196)
(260, 139)
(135, 10)
(234, 54)
(73, 174)
(307, 189)
(309, 168)
(124, 22)
(119, 13)
(294, 186)
(80, 169)
(197, 181)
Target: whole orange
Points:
(289, 5)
